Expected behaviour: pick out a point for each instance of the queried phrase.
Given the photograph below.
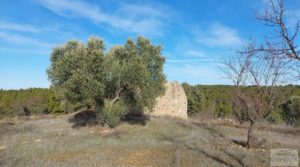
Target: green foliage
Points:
(24, 102)
(217, 100)
(54, 106)
(111, 113)
(213, 99)
(33, 101)
(292, 111)
(275, 117)
(222, 109)
(132, 73)
(195, 99)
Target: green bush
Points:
(292, 111)
(111, 113)
(33, 101)
(222, 110)
(275, 117)
(203, 98)
(217, 100)
(23, 102)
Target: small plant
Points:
(111, 113)
(292, 111)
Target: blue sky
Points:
(195, 34)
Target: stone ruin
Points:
(173, 103)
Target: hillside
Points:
(65, 141)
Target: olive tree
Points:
(124, 77)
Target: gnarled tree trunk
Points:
(251, 139)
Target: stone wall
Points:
(173, 103)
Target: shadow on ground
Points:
(83, 118)
(227, 159)
(138, 118)
(216, 133)
(241, 143)
(89, 118)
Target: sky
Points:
(195, 34)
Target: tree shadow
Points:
(202, 151)
(211, 130)
(136, 118)
(83, 118)
(89, 118)
(216, 133)
(241, 143)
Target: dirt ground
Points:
(65, 141)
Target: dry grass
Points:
(162, 142)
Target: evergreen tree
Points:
(124, 77)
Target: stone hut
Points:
(173, 103)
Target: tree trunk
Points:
(251, 139)
(117, 95)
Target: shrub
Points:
(292, 111)
(111, 113)
(274, 117)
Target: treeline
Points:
(206, 101)
(215, 101)
(32, 101)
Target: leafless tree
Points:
(282, 40)
(256, 78)
(257, 70)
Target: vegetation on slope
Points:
(215, 101)
(204, 100)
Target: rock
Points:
(38, 140)
(173, 103)
(2, 147)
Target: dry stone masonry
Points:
(173, 103)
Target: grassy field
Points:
(61, 141)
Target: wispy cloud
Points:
(23, 40)
(142, 19)
(24, 51)
(292, 14)
(195, 53)
(217, 35)
(11, 26)
(191, 61)
(193, 74)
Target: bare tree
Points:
(282, 39)
(256, 81)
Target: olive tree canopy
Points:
(130, 75)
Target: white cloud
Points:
(24, 51)
(143, 19)
(193, 74)
(218, 35)
(22, 40)
(5, 25)
(292, 14)
(195, 53)
(191, 61)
